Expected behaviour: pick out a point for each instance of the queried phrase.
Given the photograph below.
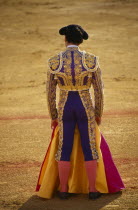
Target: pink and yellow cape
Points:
(108, 179)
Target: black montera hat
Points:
(73, 29)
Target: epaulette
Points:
(90, 62)
(54, 63)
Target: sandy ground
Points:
(28, 37)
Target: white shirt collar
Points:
(73, 45)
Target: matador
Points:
(75, 71)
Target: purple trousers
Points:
(74, 112)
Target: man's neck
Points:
(67, 44)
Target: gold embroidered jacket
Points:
(74, 70)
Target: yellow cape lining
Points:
(78, 181)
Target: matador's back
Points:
(74, 70)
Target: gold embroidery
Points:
(78, 88)
(51, 95)
(98, 92)
(55, 63)
(64, 60)
(87, 103)
(62, 100)
(78, 64)
(89, 61)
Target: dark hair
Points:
(74, 33)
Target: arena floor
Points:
(28, 37)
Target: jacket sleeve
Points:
(98, 91)
(51, 95)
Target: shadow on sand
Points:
(75, 202)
